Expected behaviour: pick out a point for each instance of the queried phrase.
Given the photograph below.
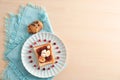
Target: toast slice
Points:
(44, 54)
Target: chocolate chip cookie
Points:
(35, 27)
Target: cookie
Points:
(35, 27)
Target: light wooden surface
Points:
(90, 30)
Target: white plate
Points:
(29, 59)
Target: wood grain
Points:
(90, 30)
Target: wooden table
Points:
(90, 30)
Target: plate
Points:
(29, 59)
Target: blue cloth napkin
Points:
(16, 34)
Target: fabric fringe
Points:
(9, 40)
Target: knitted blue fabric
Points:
(16, 34)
